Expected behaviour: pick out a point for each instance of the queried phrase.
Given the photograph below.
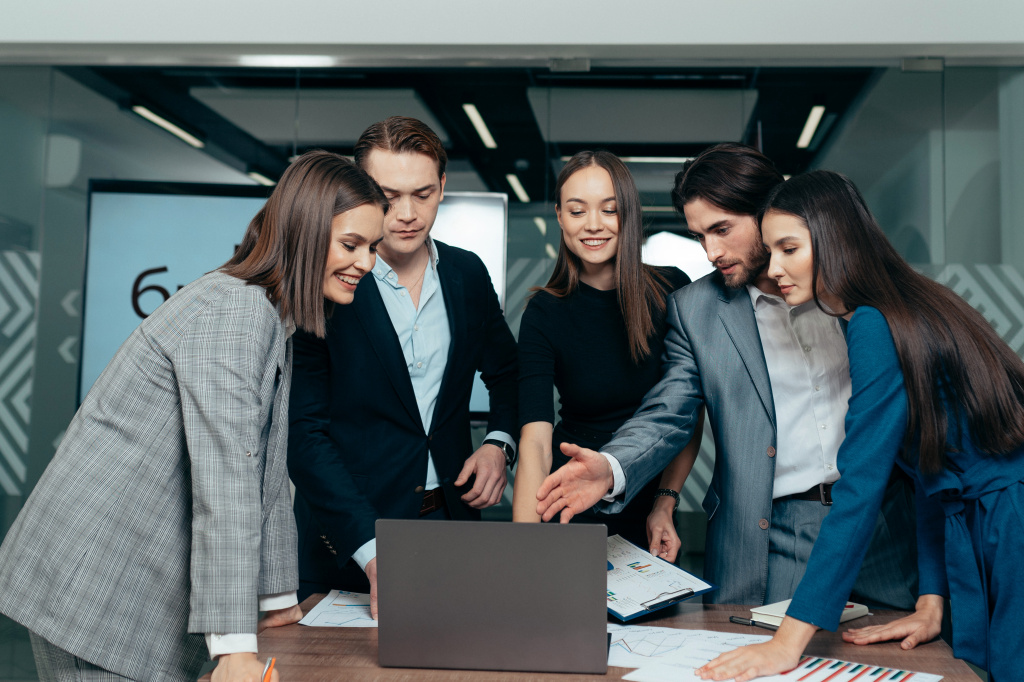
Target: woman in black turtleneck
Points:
(595, 332)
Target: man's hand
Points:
(371, 574)
(243, 667)
(921, 626)
(279, 617)
(488, 463)
(661, 529)
(576, 486)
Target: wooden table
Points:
(309, 654)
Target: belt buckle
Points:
(825, 495)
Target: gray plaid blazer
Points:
(166, 511)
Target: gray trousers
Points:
(886, 579)
(53, 664)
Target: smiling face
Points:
(411, 184)
(588, 215)
(355, 235)
(792, 258)
(731, 241)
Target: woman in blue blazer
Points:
(936, 392)
(165, 515)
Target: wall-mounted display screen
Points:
(147, 240)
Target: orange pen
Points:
(268, 669)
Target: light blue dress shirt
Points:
(426, 338)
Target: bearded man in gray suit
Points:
(775, 381)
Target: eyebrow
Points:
(581, 201)
(424, 188)
(782, 240)
(355, 236)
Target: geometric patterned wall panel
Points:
(19, 291)
(996, 291)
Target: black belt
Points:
(820, 493)
(432, 501)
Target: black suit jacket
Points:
(357, 450)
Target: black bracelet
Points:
(668, 492)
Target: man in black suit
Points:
(380, 408)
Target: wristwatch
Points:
(510, 452)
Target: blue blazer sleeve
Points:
(876, 422)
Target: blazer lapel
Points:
(737, 316)
(373, 315)
(455, 307)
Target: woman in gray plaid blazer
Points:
(165, 514)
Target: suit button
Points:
(248, 454)
(771, 451)
(763, 523)
(430, 437)
(419, 489)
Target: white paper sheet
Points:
(340, 609)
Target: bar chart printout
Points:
(639, 582)
(811, 669)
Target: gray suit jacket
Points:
(166, 510)
(713, 358)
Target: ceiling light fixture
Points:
(168, 126)
(813, 119)
(481, 128)
(542, 226)
(261, 178)
(288, 61)
(518, 188)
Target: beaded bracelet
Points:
(668, 492)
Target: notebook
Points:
(773, 613)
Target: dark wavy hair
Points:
(952, 359)
(640, 287)
(734, 177)
(285, 247)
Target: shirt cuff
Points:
(503, 437)
(618, 478)
(219, 645)
(366, 553)
(276, 602)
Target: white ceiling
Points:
(316, 117)
(641, 116)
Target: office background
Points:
(922, 105)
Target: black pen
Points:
(757, 623)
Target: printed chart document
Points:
(639, 646)
(340, 609)
(639, 582)
(811, 669)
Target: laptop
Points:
(479, 595)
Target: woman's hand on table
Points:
(780, 654)
(285, 616)
(923, 625)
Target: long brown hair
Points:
(285, 247)
(951, 357)
(640, 287)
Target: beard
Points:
(748, 268)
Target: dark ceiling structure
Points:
(537, 116)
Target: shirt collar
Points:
(756, 295)
(381, 270)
